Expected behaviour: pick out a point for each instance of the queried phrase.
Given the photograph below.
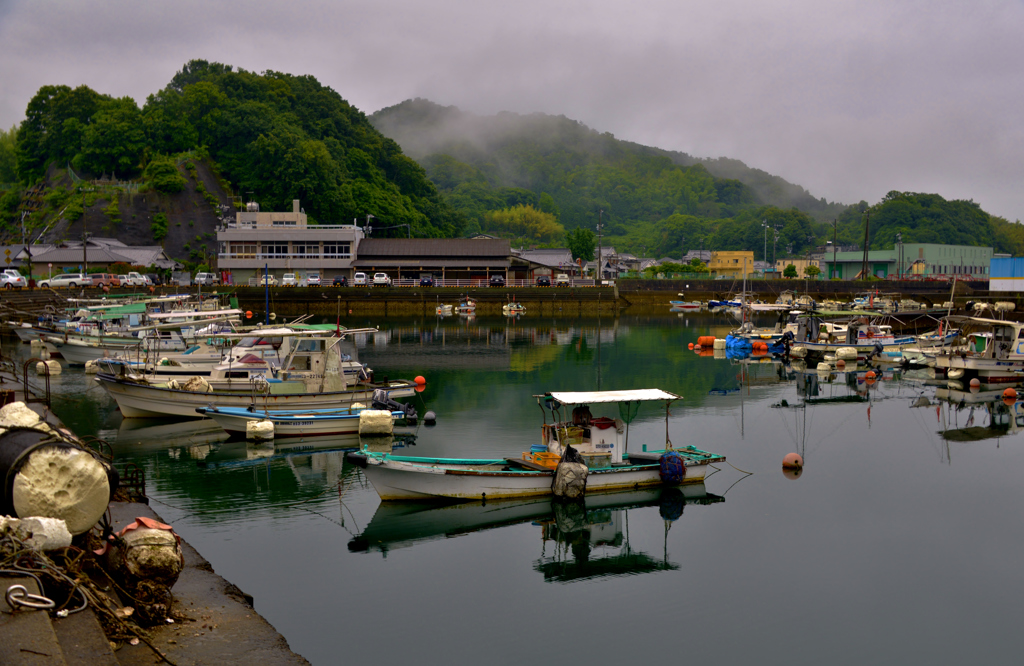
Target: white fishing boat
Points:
(685, 306)
(602, 443)
(512, 309)
(994, 354)
(467, 306)
(310, 376)
(443, 310)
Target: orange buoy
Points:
(793, 461)
(792, 473)
(691, 345)
(1010, 392)
(248, 314)
(420, 379)
(420, 388)
(870, 374)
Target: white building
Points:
(285, 243)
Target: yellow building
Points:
(800, 264)
(732, 263)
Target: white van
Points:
(359, 279)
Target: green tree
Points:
(115, 139)
(525, 222)
(790, 271)
(9, 155)
(697, 266)
(581, 243)
(812, 271)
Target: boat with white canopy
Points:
(602, 442)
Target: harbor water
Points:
(899, 542)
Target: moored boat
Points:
(290, 422)
(602, 443)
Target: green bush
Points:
(163, 176)
(159, 227)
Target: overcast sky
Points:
(849, 99)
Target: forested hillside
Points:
(272, 136)
(654, 202)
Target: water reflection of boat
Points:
(136, 435)
(598, 520)
(1004, 417)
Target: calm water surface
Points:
(900, 543)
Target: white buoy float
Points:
(259, 431)
(376, 422)
(48, 368)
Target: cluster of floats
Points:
(175, 357)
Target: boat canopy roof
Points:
(592, 397)
(194, 313)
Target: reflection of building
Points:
(732, 263)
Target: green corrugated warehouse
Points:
(925, 259)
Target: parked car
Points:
(154, 279)
(497, 281)
(288, 280)
(381, 279)
(267, 281)
(427, 281)
(562, 280)
(313, 280)
(543, 281)
(359, 280)
(105, 280)
(133, 279)
(11, 278)
(207, 279)
(340, 281)
(69, 280)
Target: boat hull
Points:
(142, 401)
(300, 425)
(394, 479)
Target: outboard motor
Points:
(381, 400)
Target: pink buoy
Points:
(793, 461)
(840, 364)
(975, 384)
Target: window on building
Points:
(283, 223)
(337, 250)
(275, 249)
(306, 250)
(242, 250)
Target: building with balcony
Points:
(285, 243)
(732, 263)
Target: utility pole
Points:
(764, 223)
(600, 266)
(899, 256)
(864, 263)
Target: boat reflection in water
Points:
(988, 415)
(578, 530)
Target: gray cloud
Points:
(849, 99)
